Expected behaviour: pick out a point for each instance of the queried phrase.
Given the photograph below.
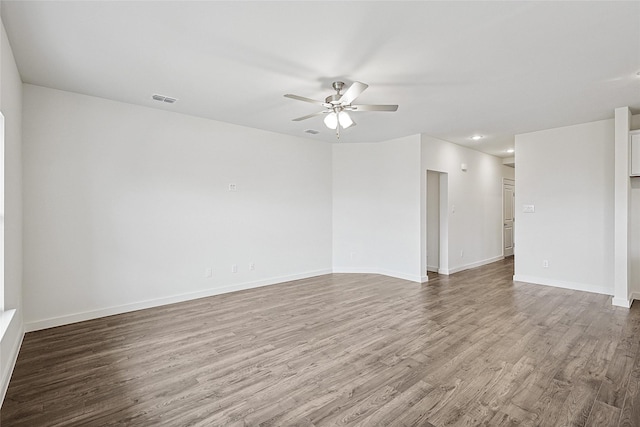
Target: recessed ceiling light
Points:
(477, 137)
(510, 150)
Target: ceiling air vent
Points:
(163, 98)
(312, 131)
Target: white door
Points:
(508, 202)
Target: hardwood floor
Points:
(473, 348)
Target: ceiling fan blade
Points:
(319, 113)
(353, 92)
(374, 107)
(302, 98)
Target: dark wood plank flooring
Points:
(473, 348)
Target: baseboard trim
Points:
(474, 264)
(6, 374)
(110, 311)
(382, 271)
(575, 286)
(398, 275)
(621, 302)
(5, 320)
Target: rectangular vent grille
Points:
(162, 98)
(312, 131)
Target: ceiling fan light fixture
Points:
(331, 121)
(337, 105)
(345, 119)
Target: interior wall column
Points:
(622, 192)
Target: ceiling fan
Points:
(338, 105)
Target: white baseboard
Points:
(621, 302)
(424, 279)
(382, 271)
(562, 284)
(109, 311)
(8, 371)
(6, 317)
(433, 268)
(474, 264)
(411, 277)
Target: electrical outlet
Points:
(234, 268)
(232, 187)
(352, 255)
(252, 266)
(545, 263)
(462, 253)
(208, 272)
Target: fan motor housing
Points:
(333, 99)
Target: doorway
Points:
(508, 215)
(437, 222)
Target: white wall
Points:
(474, 202)
(508, 172)
(11, 108)
(126, 206)
(376, 208)
(567, 173)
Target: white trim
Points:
(404, 276)
(109, 311)
(5, 320)
(13, 358)
(563, 284)
(475, 264)
(358, 270)
(433, 268)
(381, 271)
(621, 302)
(414, 278)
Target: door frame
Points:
(443, 256)
(512, 182)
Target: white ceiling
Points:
(455, 68)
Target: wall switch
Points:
(528, 208)
(234, 268)
(232, 187)
(252, 266)
(545, 263)
(208, 272)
